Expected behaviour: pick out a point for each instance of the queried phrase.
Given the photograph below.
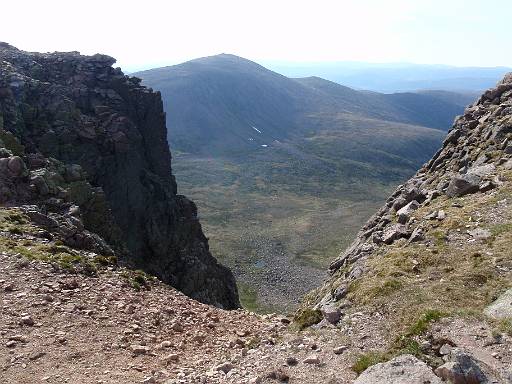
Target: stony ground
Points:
(58, 327)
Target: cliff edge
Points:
(84, 152)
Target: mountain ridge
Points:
(263, 97)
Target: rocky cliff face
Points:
(84, 151)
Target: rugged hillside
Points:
(440, 247)
(84, 152)
(224, 104)
(434, 109)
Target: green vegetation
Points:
(307, 317)
(56, 253)
(505, 326)
(9, 141)
(366, 360)
(425, 320)
(403, 344)
(137, 279)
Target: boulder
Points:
(462, 368)
(502, 307)
(404, 213)
(16, 166)
(461, 185)
(393, 233)
(404, 369)
(483, 170)
(417, 235)
(480, 234)
(332, 314)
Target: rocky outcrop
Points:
(80, 140)
(475, 148)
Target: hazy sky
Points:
(143, 34)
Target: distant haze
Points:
(391, 78)
(154, 33)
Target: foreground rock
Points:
(463, 368)
(502, 307)
(405, 369)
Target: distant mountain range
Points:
(400, 77)
(224, 104)
(286, 170)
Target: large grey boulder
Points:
(463, 368)
(404, 369)
(483, 170)
(502, 307)
(461, 185)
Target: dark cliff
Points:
(79, 132)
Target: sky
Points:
(151, 33)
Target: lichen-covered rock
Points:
(405, 369)
(501, 308)
(92, 136)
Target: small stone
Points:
(173, 357)
(445, 349)
(225, 367)
(177, 327)
(20, 338)
(139, 349)
(331, 314)
(291, 361)
(36, 355)
(165, 344)
(313, 359)
(27, 320)
(487, 186)
(279, 375)
(10, 344)
(340, 350)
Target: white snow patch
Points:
(256, 129)
(264, 145)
